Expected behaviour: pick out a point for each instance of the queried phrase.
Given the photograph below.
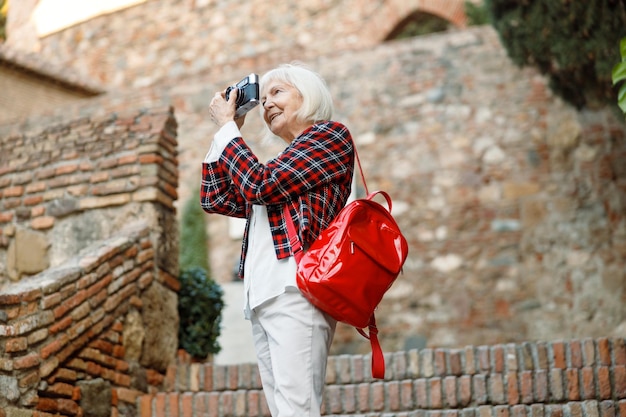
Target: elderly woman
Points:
(312, 178)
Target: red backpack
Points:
(353, 262)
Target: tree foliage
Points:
(193, 236)
(574, 43)
(4, 9)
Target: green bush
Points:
(200, 305)
(200, 299)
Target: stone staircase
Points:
(577, 378)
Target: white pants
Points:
(292, 339)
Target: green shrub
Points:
(200, 305)
(200, 302)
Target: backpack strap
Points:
(378, 359)
(296, 245)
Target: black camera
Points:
(247, 94)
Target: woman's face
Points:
(280, 103)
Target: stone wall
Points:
(574, 378)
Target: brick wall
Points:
(104, 311)
(65, 325)
(573, 378)
(92, 173)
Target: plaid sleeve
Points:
(321, 154)
(217, 193)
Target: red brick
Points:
(497, 356)
(47, 404)
(542, 356)
(556, 385)
(449, 388)
(406, 397)
(435, 394)
(526, 387)
(589, 357)
(588, 389)
(572, 386)
(619, 351)
(378, 396)
(68, 407)
(421, 394)
(159, 405)
(440, 362)
(333, 399)
(541, 386)
(53, 346)
(36, 187)
(576, 354)
(15, 191)
(479, 387)
(558, 355)
(51, 300)
(61, 390)
(128, 395)
(28, 361)
(227, 402)
(16, 345)
(37, 211)
(363, 396)
(187, 405)
(606, 409)
(456, 368)
(63, 374)
(512, 388)
(145, 405)
(32, 200)
(150, 159)
(619, 376)
(604, 383)
(42, 223)
(465, 390)
(6, 217)
(621, 405)
(496, 389)
(604, 351)
(29, 380)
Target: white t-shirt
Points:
(265, 276)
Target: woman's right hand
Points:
(222, 111)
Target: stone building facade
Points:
(513, 203)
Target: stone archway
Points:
(396, 10)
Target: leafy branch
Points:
(619, 75)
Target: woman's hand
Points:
(222, 111)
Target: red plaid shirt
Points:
(313, 175)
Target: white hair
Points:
(317, 103)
